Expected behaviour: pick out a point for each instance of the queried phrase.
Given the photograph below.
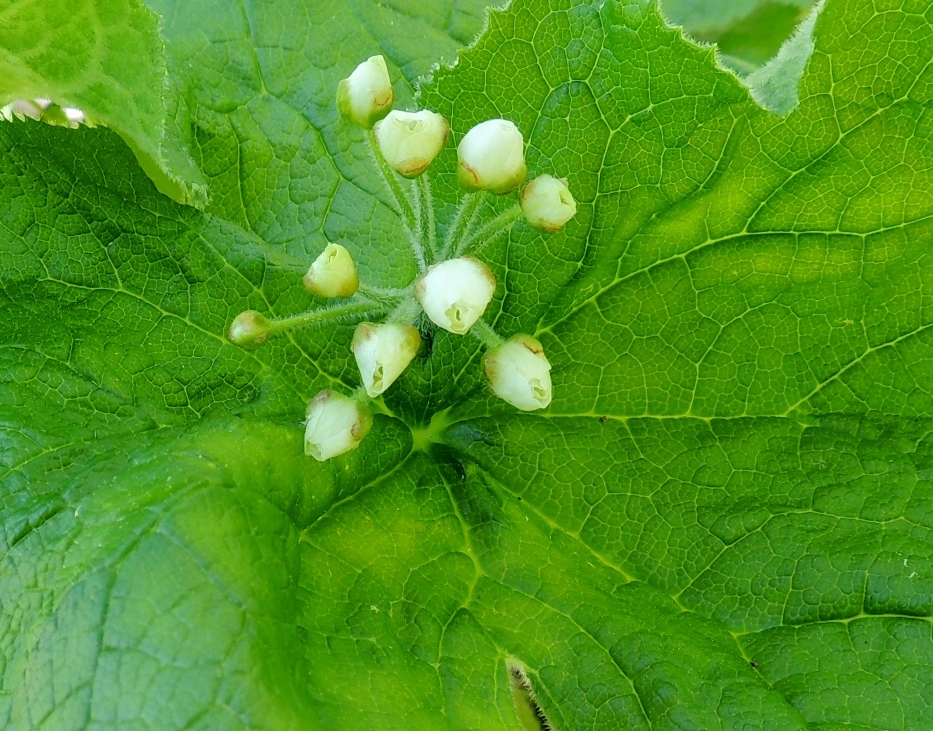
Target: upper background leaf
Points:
(107, 59)
(748, 32)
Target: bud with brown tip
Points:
(455, 293)
(366, 95)
(249, 329)
(383, 352)
(547, 203)
(409, 141)
(492, 157)
(335, 424)
(519, 373)
(333, 274)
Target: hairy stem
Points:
(383, 293)
(484, 332)
(469, 206)
(423, 182)
(418, 209)
(490, 231)
(406, 311)
(406, 212)
(336, 313)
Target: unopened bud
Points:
(249, 329)
(383, 352)
(547, 203)
(454, 294)
(335, 424)
(365, 96)
(519, 373)
(492, 157)
(23, 107)
(333, 274)
(409, 141)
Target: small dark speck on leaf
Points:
(603, 419)
(753, 663)
(428, 337)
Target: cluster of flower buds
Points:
(453, 291)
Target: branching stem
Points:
(406, 212)
(383, 293)
(460, 226)
(490, 231)
(423, 183)
(484, 332)
(406, 311)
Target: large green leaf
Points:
(723, 521)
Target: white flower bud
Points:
(409, 141)
(547, 203)
(366, 95)
(333, 274)
(518, 372)
(74, 115)
(335, 424)
(23, 107)
(383, 352)
(492, 157)
(454, 294)
(249, 329)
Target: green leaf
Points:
(107, 59)
(756, 39)
(723, 519)
(705, 19)
(747, 32)
(774, 85)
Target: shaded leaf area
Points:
(747, 32)
(155, 587)
(756, 38)
(709, 589)
(704, 19)
(793, 539)
(107, 59)
(687, 539)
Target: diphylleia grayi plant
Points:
(453, 288)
